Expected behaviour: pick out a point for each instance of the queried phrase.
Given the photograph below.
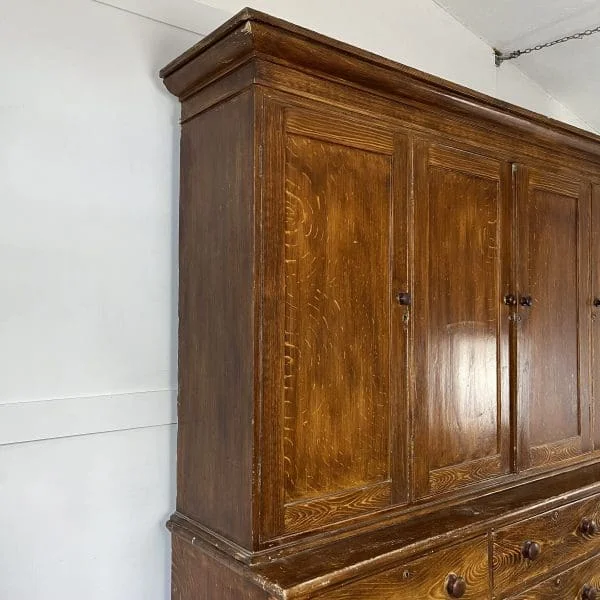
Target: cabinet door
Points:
(552, 317)
(595, 310)
(462, 271)
(334, 248)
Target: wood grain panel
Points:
(595, 310)
(198, 576)
(560, 539)
(569, 585)
(448, 478)
(462, 261)
(300, 516)
(425, 578)
(340, 182)
(216, 320)
(337, 317)
(553, 334)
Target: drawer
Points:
(543, 543)
(579, 583)
(428, 578)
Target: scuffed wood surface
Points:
(425, 578)
(557, 532)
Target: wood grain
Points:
(567, 585)
(461, 332)
(554, 270)
(337, 314)
(595, 313)
(330, 435)
(447, 479)
(425, 578)
(216, 320)
(300, 516)
(252, 33)
(196, 575)
(557, 532)
(332, 309)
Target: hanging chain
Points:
(501, 57)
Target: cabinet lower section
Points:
(546, 549)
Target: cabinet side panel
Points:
(216, 314)
(198, 576)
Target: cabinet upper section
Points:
(257, 39)
(388, 291)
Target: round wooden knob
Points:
(597, 302)
(588, 526)
(526, 301)
(403, 298)
(589, 593)
(456, 586)
(531, 550)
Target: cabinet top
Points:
(252, 34)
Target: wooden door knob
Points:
(456, 586)
(403, 298)
(588, 526)
(596, 302)
(589, 593)
(510, 300)
(526, 301)
(531, 550)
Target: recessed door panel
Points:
(338, 188)
(552, 318)
(337, 317)
(594, 308)
(462, 260)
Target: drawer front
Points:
(543, 543)
(579, 583)
(461, 571)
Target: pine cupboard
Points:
(388, 333)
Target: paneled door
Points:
(462, 215)
(334, 217)
(552, 317)
(595, 311)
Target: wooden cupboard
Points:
(388, 333)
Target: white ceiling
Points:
(570, 72)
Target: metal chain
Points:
(501, 57)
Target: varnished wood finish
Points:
(426, 578)
(197, 575)
(216, 320)
(356, 395)
(569, 585)
(251, 31)
(462, 267)
(334, 267)
(559, 537)
(553, 333)
(595, 312)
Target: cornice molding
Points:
(251, 34)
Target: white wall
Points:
(88, 184)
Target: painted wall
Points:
(88, 184)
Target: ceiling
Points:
(570, 72)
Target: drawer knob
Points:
(589, 593)
(531, 550)
(588, 527)
(456, 586)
